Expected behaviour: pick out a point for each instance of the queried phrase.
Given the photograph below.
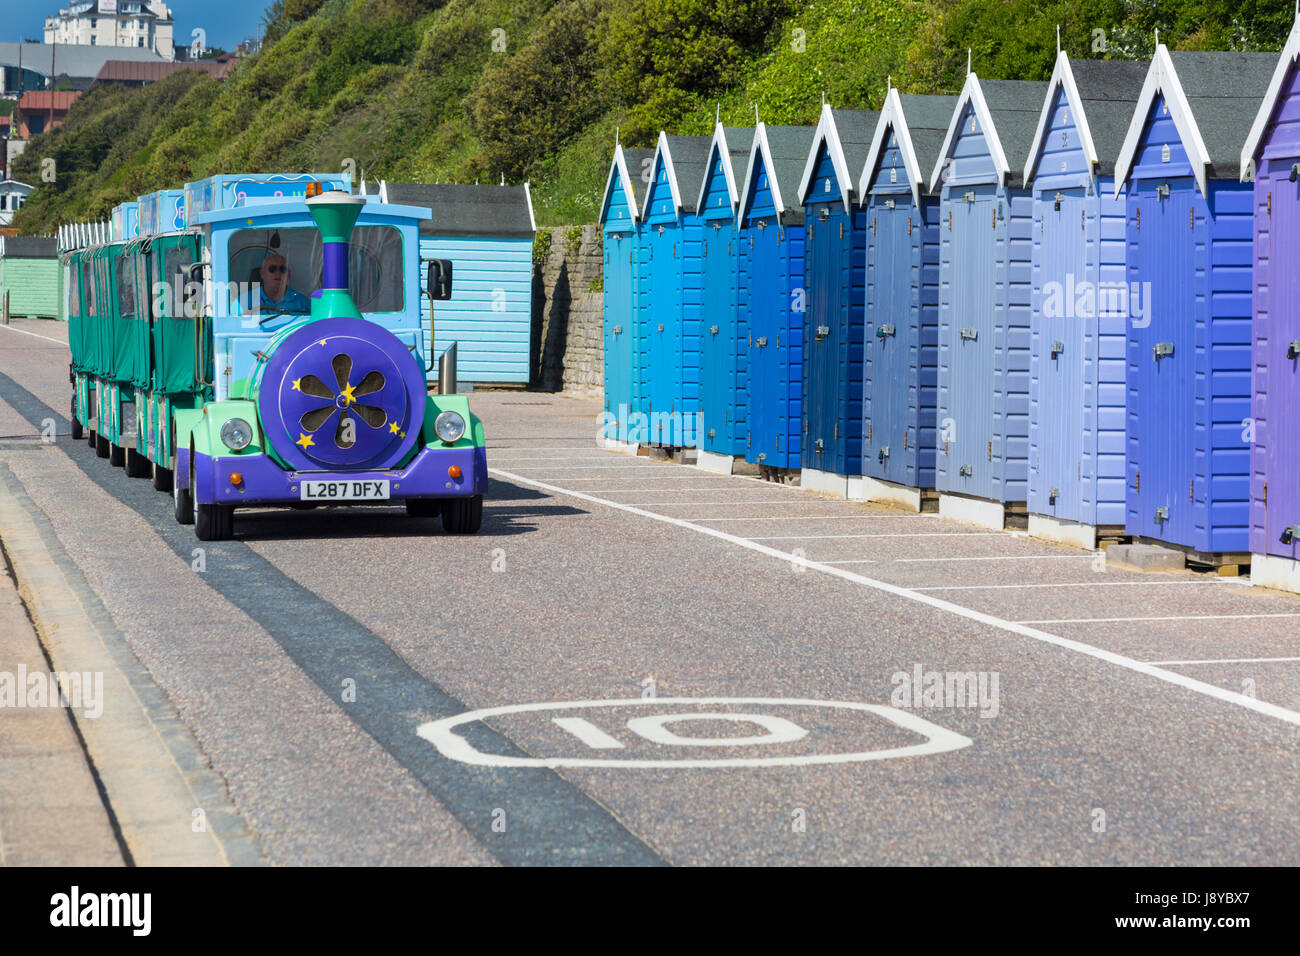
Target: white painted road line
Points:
(1233, 660)
(825, 518)
(910, 534)
(693, 504)
(1185, 617)
(35, 336)
(1064, 584)
(1014, 627)
(1003, 557)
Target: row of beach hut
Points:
(1075, 301)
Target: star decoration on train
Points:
(304, 440)
(348, 393)
(297, 385)
(393, 428)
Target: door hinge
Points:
(909, 225)
(945, 444)
(950, 220)
(841, 229)
(1270, 204)
(1137, 482)
(873, 225)
(1191, 218)
(1138, 214)
(990, 451)
(705, 251)
(904, 439)
(869, 427)
(1191, 491)
(835, 434)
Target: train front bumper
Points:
(263, 482)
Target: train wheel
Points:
(462, 515)
(214, 522)
(137, 465)
(184, 503)
(162, 477)
(101, 445)
(76, 423)
(423, 507)
(116, 455)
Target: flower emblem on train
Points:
(341, 393)
(343, 408)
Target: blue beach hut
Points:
(835, 257)
(620, 215)
(723, 329)
(985, 215)
(487, 233)
(1190, 234)
(668, 291)
(1081, 310)
(773, 296)
(1271, 158)
(902, 299)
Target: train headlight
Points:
(237, 434)
(449, 426)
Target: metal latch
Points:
(1162, 514)
(618, 330)
(1293, 350)
(1291, 533)
(819, 444)
(968, 197)
(712, 433)
(1053, 495)
(965, 471)
(889, 203)
(1161, 349)
(884, 453)
(713, 330)
(1162, 191)
(1057, 348)
(823, 331)
(884, 330)
(969, 333)
(762, 456)
(661, 326)
(761, 341)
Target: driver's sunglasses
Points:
(277, 269)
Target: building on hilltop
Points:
(139, 24)
(37, 66)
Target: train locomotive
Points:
(261, 343)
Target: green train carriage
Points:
(183, 372)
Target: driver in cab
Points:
(277, 295)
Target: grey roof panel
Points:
(638, 168)
(29, 247)
(1109, 90)
(1224, 90)
(466, 210)
(71, 60)
(927, 120)
(690, 156)
(1015, 106)
(790, 146)
(738, 140)
(856, 129)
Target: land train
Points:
(263, 347)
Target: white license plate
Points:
(373, 490)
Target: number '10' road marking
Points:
(654, 728)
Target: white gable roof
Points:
(1162, 78)
(827, 133)
(1063, 77)
(892, 116)
(661, 149)
(719, 147)
(972, 94)
(1250, 152)
(618, 166)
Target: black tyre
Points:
(90, 437)
(137, 465)
(162, 477)
(101, 445)
(214, 522)
(116, 455)
(183, 503)
(76, 423)
(462, 515)
(423, 507)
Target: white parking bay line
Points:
(1184, 617)
(1233, 660)
(1002, 557)
(1064, 584)
(910, 534)
(1014, 627)
(823, 518)
(34, 335)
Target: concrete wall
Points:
(568, 313)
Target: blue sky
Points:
(227, 22)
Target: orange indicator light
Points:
(453, 472)
(236, 478)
